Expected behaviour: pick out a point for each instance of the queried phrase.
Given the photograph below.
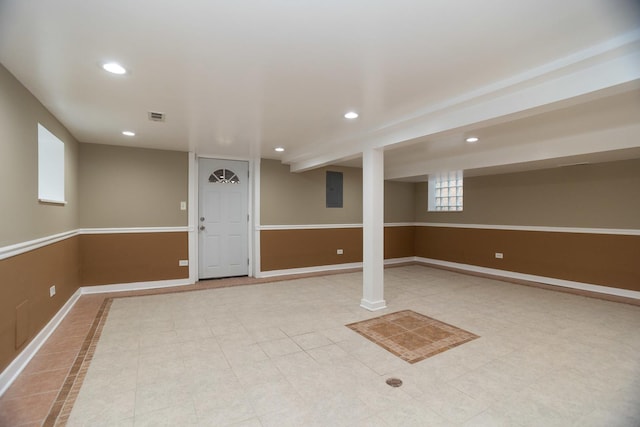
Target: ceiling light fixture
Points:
(279, 149)
(472, 139)
(128, 133)
(114, 68)
(351, 115)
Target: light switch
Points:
(183, 206)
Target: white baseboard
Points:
(327, 268)
(136, 286)
(8, 376)
(533, 278)
(393, 261)
(305, 270)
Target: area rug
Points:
(411, 336)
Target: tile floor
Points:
(30, 399)
(280, 355)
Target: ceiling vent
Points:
(156, 117)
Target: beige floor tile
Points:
(452, 404)
(99, 408)
(311, 340)
(223, 406)
(279, 355)
(219, 328)
(273, 396)
(204, 362)
(520, 409)
(110, 382)
(339, 407)
(379, 396)
(207, 381)
(150, 373)
(262, 334)
(201, 346)
(373, 421)
(181, 415)
(252, 374)
(193, 334)
(238, 354)
(489, 418)
(290, 418)
(279, 347)
(489, 382)
(412, 414)
(328, 354)
(252, 422)
(339, 333)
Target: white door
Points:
(223, 218)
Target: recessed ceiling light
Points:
(472, 139)
(114, 67)
(351, 115)
(128, 133)
(279, 149)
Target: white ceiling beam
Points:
(595, 72)
(593, 142)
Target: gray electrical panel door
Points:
(334, 189)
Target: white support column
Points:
(373, 229)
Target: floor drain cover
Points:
(394, 382)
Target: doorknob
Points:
(201, 227)
(201, 218)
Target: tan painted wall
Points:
(23, 217)
(25, 305)
(132, 187)
(601, 259)
(300, 248)
(299, 198)
(399, 201)
(132, 257)
(26, 279)
(605, 195)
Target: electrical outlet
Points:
(52, 290)
(339, 252)
(183, 263)
(499, 255)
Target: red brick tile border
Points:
(61, 409)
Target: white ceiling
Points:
(542, 82)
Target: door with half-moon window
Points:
(223, 218)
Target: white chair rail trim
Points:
(22, 247)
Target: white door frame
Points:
(193, 209)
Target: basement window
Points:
(445, 191)
(50, 167)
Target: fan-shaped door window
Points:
(224, 176)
